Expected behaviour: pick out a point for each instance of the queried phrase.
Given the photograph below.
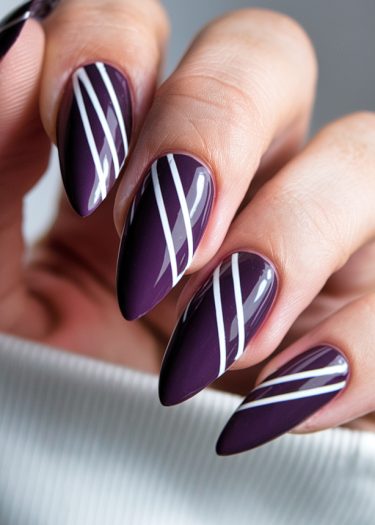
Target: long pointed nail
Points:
(93, 134)
(285, 399)
(217, 325)
(166, 223)
(11, 26)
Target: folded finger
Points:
(95, 94)
(247, 78)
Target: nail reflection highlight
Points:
(217, 325)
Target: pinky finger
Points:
(323, 380)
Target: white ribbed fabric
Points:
(87, 443)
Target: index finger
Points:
(95, 94)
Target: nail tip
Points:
(175, 386)
(167, 395)
(78, 205)
(133, 305)
(257, 421)
(129, 310)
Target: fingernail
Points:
(217, 325)
(166, 223)
(285, 399)
(11, 26)
(93, 134)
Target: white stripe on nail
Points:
(219, 320)
(239, 304)
(184, 208)
(120, 119)
(319, 372)
(289, 396)
(84, 78)
(102, 176)
(18, 20)
(165, 223)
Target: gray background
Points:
(344, 37)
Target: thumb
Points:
(24, 152)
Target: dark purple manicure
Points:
(285, 399)
(43, 8)
(166, 223)
(11, 26)
(217, 325)
(93, 134)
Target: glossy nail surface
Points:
(166, 223)
(93, 133)
(217, 325)
(285, 399)
(11, 26)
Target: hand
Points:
(281, 270)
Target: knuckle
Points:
(352, 137)
(307, 220)
(212, 103)
(366, 310)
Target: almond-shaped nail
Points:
(11, 26)
(285, 399)
(93, 134)
(167, 220)
(217, 325)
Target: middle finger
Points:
(247, 80)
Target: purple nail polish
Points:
(285, 399)
(217, 325)
(11, 26)
(43, 8)
(93, 134)
(165, 225)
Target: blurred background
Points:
(344, 38)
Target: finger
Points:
(327, 385)
(290, 239)
(24, 151)
(95, 93)
(247, 79)
(13, 23)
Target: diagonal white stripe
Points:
(165, 223)
(293, 395)
(219, 321)
(108, 84)
(16, 21)
(239, 304)
(84, 78)
(90, 136)
(198, 197)
(318, 372)
(184, 208)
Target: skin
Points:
(251, 73)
